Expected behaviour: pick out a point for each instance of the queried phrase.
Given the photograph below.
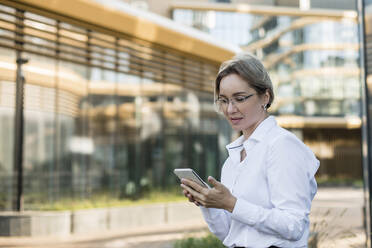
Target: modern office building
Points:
(114, 100)
(115, 97)
(311, 49)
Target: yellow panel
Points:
(123, 23)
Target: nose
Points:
(231, 108)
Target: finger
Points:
(188, 195)
(214, 182)
(193, 192)
(191, 198)
(192, 184)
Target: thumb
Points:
(213, 181)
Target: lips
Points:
(235, 120)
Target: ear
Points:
(266, 97)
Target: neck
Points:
(248, 132)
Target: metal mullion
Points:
(19, 117)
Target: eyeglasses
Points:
(223, 102)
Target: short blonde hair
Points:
(251, 70)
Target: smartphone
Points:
(190, 174)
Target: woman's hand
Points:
(217, 197)
(190, 197)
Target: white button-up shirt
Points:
(274, 186)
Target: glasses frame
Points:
(221, 105)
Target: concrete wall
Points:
(63, 223)
(56, 223)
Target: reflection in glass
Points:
(39, 128)
(307, 56)
(104, 115)
(7, 112)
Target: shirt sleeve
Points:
(218, 221)
(290, 173)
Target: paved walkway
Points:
(336, 216)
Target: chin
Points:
(237, 128)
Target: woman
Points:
(267, 182)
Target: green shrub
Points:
(204, 242)
(211, 241)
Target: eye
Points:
(240, 99)
(223, 100)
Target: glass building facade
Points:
(103, 112)
(313, 59)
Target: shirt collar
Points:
(262, 129)
(257, 135)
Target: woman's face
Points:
(242, 106)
